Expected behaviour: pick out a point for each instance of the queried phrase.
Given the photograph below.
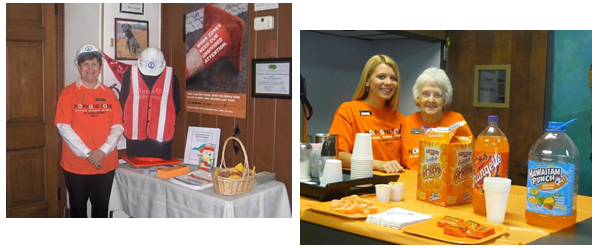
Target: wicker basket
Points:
(226, 186)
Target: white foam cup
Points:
(332, 172)
(363, 145)
(496, 191)
(382, 192)
(361, 167)
(396, 191)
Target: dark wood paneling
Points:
(436, 34)
(267, 127)
(284, 115)
(284, 30)
(264, 123)
(526, 52)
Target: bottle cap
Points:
(554, 126)
(492, 118)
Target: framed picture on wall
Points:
(132, 8)
(271, 78)
(132, 36)
(492, 86)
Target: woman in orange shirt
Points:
(89, 119)
(432, 93)
(374, 111)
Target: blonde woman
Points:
(373, 110)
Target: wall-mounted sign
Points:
(271, 78)
(265, 6)
(133, 8)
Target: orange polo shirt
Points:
(411, 135)
(91, 114)
(384, 126)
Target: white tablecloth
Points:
(142, 195)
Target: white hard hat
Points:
(86, 49)
(151, 61)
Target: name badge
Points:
(415, 131)
(100, 99)
(365, 113)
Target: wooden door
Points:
(31, 139)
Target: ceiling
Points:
(364, 34)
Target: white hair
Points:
(437, 76)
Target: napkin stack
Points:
(397, 218)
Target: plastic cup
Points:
(396, 191)
(315, 159)
(363, 145)
(496, 190)
(382, 192)
(305, 150)
(332, 172)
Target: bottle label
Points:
(488, 165)
(550, 188)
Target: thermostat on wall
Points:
(264, 23)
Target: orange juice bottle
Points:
(490, 159)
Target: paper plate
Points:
(430, 229)
(325, 207)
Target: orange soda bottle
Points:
(490, 159)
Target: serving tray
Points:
(347, 187)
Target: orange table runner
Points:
(519, 232)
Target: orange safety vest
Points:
(147, 113)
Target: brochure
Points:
(196, 180)
(202, 147)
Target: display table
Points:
(519, 232)
(143, 195)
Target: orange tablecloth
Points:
(519, 232)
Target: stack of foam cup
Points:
(361, 158)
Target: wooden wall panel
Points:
(173, 48)
(526, 52)
(266, 129)
(24, 14)
(26, 172)
(283, 140)
(23, 103)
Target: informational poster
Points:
(202, 147)
(216, 52)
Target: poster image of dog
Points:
(132, 36)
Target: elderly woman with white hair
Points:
(432, 93)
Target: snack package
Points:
(445, 174)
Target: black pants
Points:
(80, 187)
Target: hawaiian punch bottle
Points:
(490, 159)
(552, 179)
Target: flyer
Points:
(202, 147)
